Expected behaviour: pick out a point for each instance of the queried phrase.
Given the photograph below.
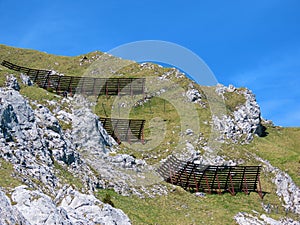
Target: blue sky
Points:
(255, 44)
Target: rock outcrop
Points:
(9, 214)
(287, 190)
(69, 207)
(245, 121)
(32, 140)
(243, 218)
(193, 95)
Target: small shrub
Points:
(107, 200)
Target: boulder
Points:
(10, 215)
(86, 209)
(38, 208)
(12, 82)
(245, 121)
(69, 207)
(193, 95)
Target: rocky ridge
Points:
(287, 190)
(69, 207)
(245, 121)
(32, 139)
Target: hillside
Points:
(59, 149)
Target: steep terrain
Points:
(58, 162)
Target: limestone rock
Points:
(69, 207)
(87, 130)
(26, 79)
(9, 215)
(287, 190)
(248, 219)
(38, 208)
(245, 121)
(32, 139)
(193, 95)
(86, 209)
(12, 82)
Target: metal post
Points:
(207, 184)
(46, 81)
(36, 76)
(171, 175)
(128, 133)
(196, 183)
(69, 87)
(219, 185)
(187, 184)
(232, 187)
(94, 92)
(245, 186)
(58, 84)
(260, 190)
(118, 87)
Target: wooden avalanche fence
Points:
(128, 130)
(30, 72)
(211, 179)
(81, 85)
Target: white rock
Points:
(9, 215)
(245, 121)
(34, 207)
(37, 207)
(89, 210)
(193, 95)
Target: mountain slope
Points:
(219, 128)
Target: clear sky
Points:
(255, 43)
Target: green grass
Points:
(67, 177)
(234, 100)
(182, 207)
(281, 147)
(40, 60)
(156, 112)
(38, 94)
(7, 180)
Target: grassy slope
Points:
(41, 60)
(281, 147)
